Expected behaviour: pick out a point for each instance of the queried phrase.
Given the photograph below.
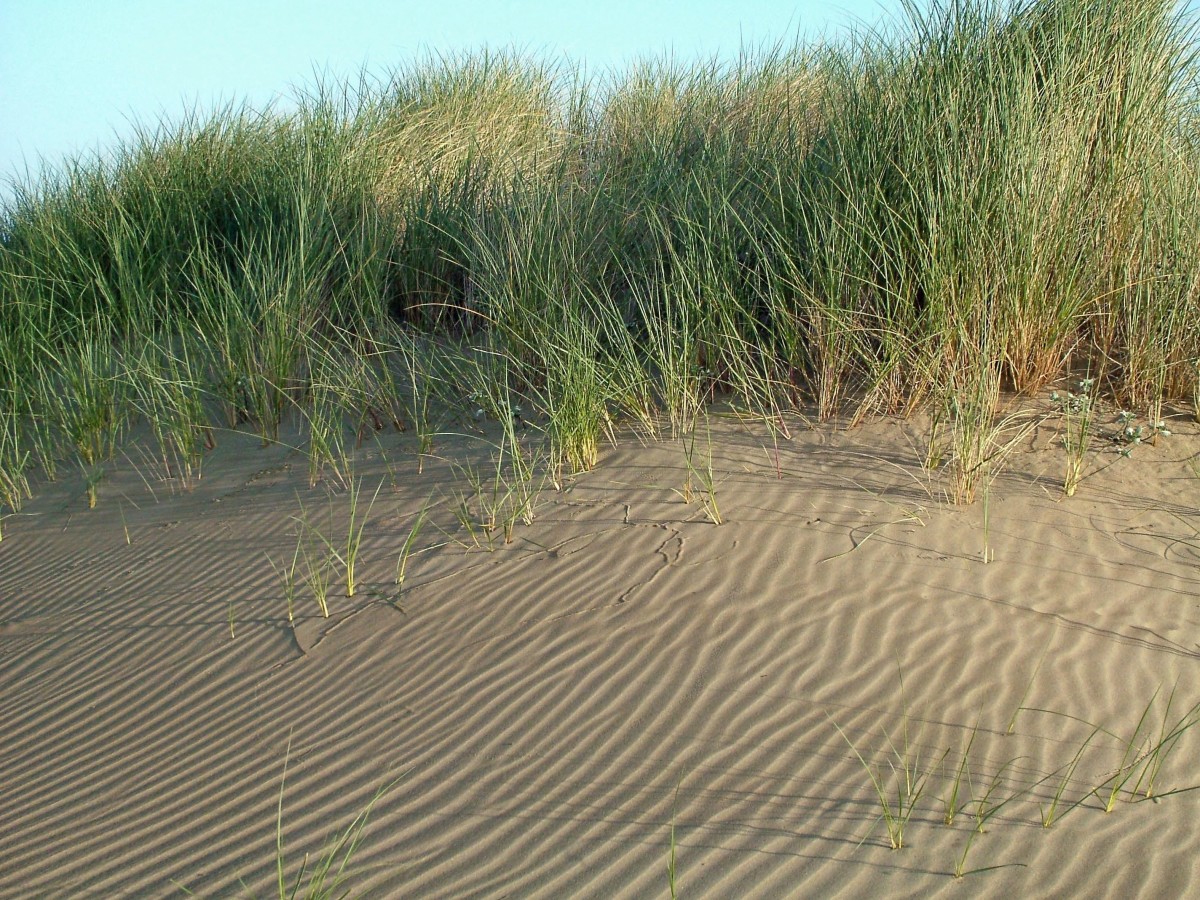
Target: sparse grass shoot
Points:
(1145, 753)
(410, 541)
(899, 793)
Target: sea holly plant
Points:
(1132, 434)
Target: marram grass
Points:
(984, 198)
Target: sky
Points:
(77, 75)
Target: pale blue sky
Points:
(75, 73)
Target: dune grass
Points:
(319, 877)
(982, 198)
(982, 784)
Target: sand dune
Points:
(541, 714)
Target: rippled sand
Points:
(541, 714)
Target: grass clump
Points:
(343, 553)
(908, 780)
(1077, 411)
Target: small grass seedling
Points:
(1051, 813)
(985, 809)
(318, 565)
(288, 575)
(935, 449)
(1144, 755)
(406, 549)
(354, 532)
(1012, 722)
(1157, 426)
(318, 577)
(125, 526)
(1133, 754)
(424, 445)
(910, 780)
(326, 444)
(950, 801)
(982, 440)
(14, 484)
(907, 773)
(325, 879)
(988, 553)
(1168, 735)
(972, 403)
(418, 407)
(466, 519)
(165, 390)
(776, 426)
(505, 497)
(478, 510)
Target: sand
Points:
(539, 715)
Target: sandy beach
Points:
(540, 714)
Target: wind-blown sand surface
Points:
(544, 712)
